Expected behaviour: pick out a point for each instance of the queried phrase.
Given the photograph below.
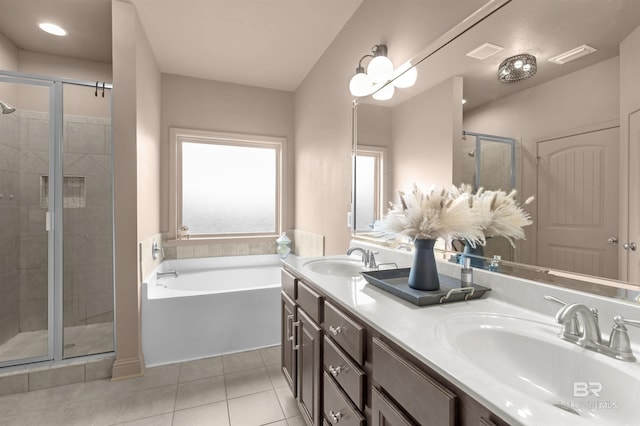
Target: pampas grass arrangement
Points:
(436, 213)
(498, 212)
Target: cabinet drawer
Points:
(337, 408)
(349, 376)
(309, 301)
(288, 282)
(348, 334)
(427, 401)
(384, 412)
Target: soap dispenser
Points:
(283, 246)
(466, 273)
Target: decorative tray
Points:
(396, 281)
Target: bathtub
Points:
(215, 306)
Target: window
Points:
(227, 185)
(369, 187)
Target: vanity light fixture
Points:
(516, 68)
(51, 28)
(379, 72)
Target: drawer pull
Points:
(334, 370)
(289, 331)
(296, 333)
(335, 417)
(335, 330)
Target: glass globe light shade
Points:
(380, 69)
(360, 85)
(407, 79)
(385, 93)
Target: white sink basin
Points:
(528, 357)
(338, 267)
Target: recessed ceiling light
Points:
(485, 51)
(54, 29)
(464, 101)
(572, 54)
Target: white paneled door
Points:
(578, 202)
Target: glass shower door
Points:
(88, 299)
(26, 267)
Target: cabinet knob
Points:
(335, 417)
(335, 330)
(334, 370)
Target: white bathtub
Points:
(215, 306)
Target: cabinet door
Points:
(288, 358)
(385, 413)
(309, 341)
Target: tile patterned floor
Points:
(244, 389)
(79, 340)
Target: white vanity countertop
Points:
(416, 330)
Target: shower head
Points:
(6, 108)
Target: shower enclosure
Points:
(56, 219)
(490, 163)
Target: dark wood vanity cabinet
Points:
(301, 358)
(342, 372)
(288, 357)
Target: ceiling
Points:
(275, 43)
(543, 28)
(272, 44)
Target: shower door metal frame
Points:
(55, 215)
(478, 154)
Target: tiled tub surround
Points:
(414, 329)
(88, 283)
(215, 306)
(233, 390)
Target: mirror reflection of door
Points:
(577, 193)
(369, 196)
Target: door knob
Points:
(612, 241)
(630, 246)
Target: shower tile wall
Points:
(88, 251)
(34, 163)
(88, 289)
(9, 226)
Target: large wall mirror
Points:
(559, 135)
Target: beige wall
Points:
(323, 106)
(579, 99)
(78, 100)
(424, 130)
(210, 105)
(8, 54)
(135, 134)
(148, 105)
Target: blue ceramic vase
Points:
(424, 273)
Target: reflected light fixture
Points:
(516, 68)
(52, 28)
(379, 72)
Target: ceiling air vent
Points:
(572, 54)
(485, 51)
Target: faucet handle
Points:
(619, 339)
(555, 299)
(572, 327)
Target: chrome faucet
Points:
(580, 326)
(368, 256)
(173, 273)
(589, 331)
